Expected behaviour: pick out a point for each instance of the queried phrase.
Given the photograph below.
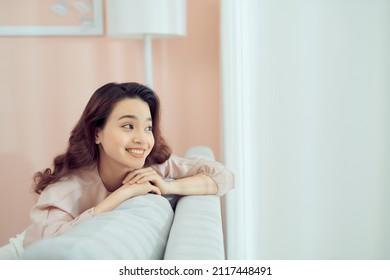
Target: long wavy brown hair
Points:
(83, 152)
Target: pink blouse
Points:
(71, 200)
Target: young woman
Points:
(116, 152)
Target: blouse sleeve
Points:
(55, 213)
(176, 167)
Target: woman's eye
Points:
(149, 128)
(128, 126)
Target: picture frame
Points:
(85, 18)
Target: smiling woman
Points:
(116, 152)
(125, 140)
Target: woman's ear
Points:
(97, 136)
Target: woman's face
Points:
(127, 138)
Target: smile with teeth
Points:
(136, 152)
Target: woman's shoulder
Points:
(174, 160)
(76, 182)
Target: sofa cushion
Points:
(136, 229)
(196, 232)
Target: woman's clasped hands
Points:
(146, 180)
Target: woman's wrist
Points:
(113, 200)
(170, 187)
(199, 184)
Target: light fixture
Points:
(146, 19)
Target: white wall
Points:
(306, 128)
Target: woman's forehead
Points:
(131, 107)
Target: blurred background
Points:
(292, 95)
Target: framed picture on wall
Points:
(51, 17)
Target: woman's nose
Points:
(138, 138)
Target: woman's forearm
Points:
(123, 193)
(198, 184)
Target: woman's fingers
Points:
(156, 190)
(147, 188)
(140, 176)
(149, 176)
(141, 189)
(130, 178)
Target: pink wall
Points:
(45, 83)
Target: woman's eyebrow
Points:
(133, 117)
(128, 116)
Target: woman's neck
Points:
(112, 178)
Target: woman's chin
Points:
(137, 165)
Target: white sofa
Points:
(147, 227)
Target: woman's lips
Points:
(138, 153)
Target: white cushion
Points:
(196, 232)
(137, 229)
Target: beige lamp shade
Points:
(134, 18)
(146, 19)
